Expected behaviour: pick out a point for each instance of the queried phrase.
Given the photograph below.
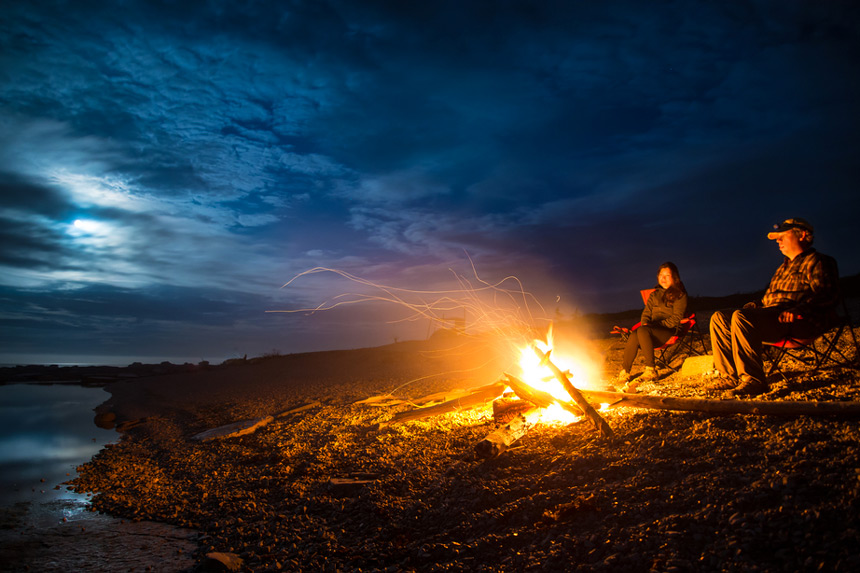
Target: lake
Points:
(46, 431)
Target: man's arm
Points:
(823, 294)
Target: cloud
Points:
(229, 146)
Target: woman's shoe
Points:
(649, 375)
(622, 377)
(630, 387)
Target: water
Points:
(11, 360)
(46, 431)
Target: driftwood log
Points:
(501, 439)
(297, 409)
(596, 419)
(480, 396)
(711, 406)
(246, 427)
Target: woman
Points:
(660, 320)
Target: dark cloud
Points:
(222, 147)
(20, 193)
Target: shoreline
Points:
(269, 496)
(34, 537)
(657, 493)
(44, 526)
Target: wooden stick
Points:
(298, 409)
(479, 396)
(759, 407)
(538, 397)
(589, 411)
(501, 439)
(235, 429)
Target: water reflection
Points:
(46, 431)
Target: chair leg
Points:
(823, 352)
(775, 354)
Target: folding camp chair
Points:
(821, 352)
(687, 342)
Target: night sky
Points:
(165, 167)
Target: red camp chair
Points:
(820, 352)
(687, 342)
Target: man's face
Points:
(789, 244)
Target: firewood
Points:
(712, 406)
(298, 409)
(381, 401)
(598, 421)
(440, 397)
(539, 397)
(233, 430)
(501, 439)
(479, 396)
(506, 409)
(349, 485)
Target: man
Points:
(796, 303)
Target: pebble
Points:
(674, 491)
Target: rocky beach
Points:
(323, 485)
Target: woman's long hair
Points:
(675, 291)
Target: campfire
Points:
(540, 393)
(560, 390)
(538, 375)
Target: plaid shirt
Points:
(807, 285)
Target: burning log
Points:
(479, 396)
(506, 409)
(598, 421)
(501, 439)
(711, 406)
(537, 397)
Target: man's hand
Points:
(788, 316)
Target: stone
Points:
(697, 365)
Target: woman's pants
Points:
(646, 338)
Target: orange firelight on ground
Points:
(579, 369)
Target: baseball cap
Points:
(795, 223)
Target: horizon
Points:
(10, 361)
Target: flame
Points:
(579, 369)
